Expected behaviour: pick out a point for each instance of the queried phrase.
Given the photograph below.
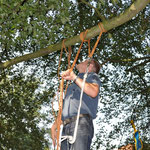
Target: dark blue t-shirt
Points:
(72, 99)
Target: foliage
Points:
(28, 25)
(20, 105)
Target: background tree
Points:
(20, 104)
(33, 29)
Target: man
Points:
(88, 109)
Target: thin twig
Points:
(98, 13)
(127, 60)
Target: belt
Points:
(72, 119)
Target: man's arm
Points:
(54, 131)
(91, 89)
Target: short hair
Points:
(96, 65)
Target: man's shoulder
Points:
(93, 78)
(93, 74)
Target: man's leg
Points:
(65, 143)
(84, 134)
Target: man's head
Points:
(93, 67)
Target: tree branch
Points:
(141, 64)
(126, 60)
(131, 12)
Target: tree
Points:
(33, 29)
(20, 105)
(30, 17)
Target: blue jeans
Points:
(84, 134)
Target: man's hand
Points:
(91, 89)
(54, 133)
(68, 75)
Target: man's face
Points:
(82, 66)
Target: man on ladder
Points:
(88, 109)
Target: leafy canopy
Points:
(29, 25)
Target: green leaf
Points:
(102, 2)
